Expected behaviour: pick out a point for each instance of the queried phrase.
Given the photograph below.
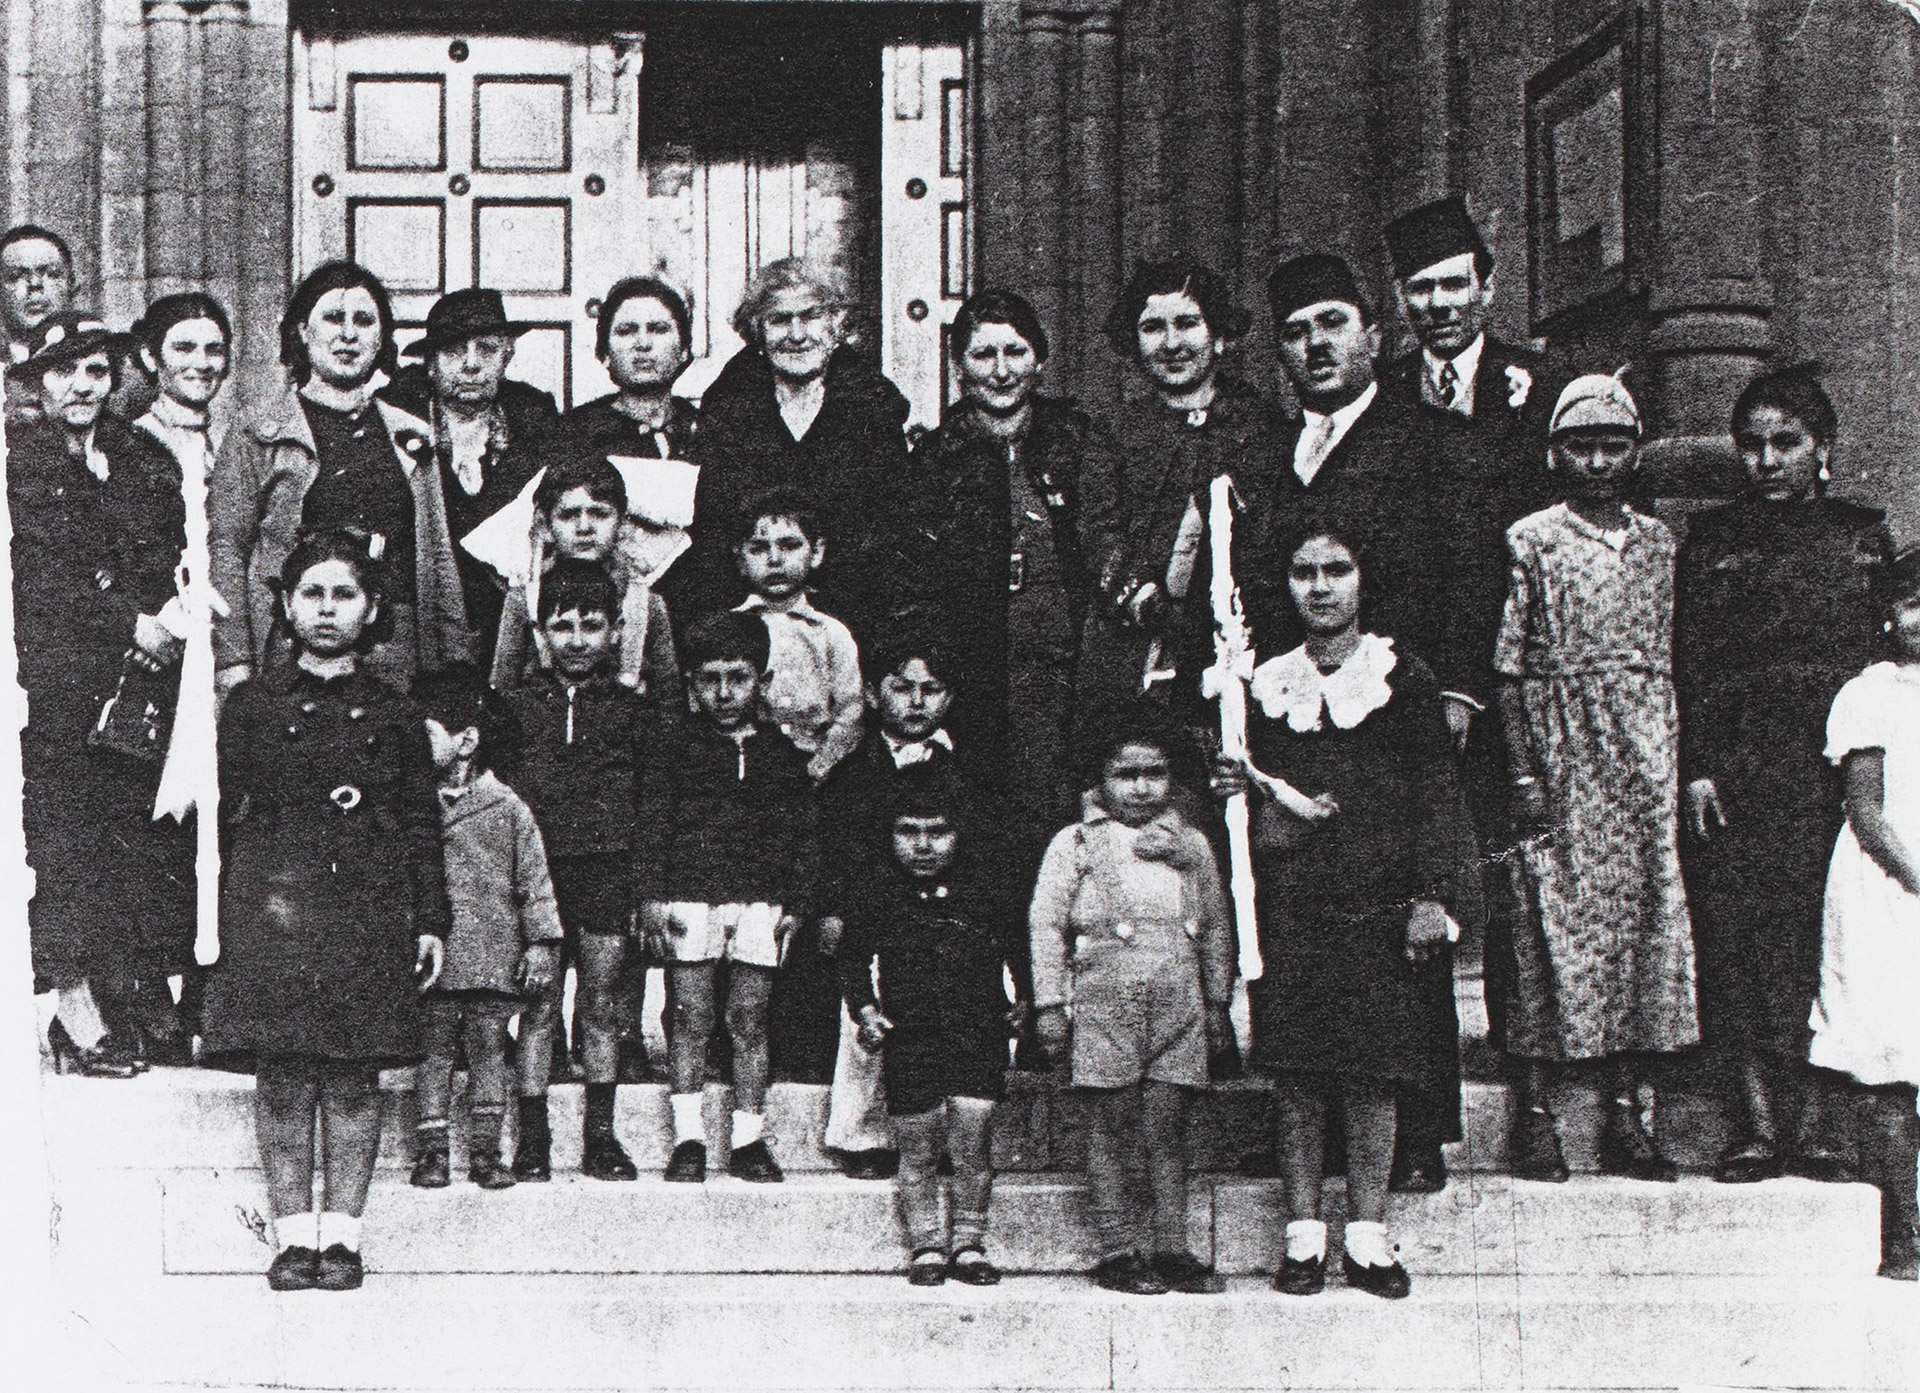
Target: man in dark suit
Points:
(483, 424)
(1368, 460)
(1489, 402)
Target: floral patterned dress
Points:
(1588, 631)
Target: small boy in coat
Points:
(725, 872)
(505, 943)
(584, 742)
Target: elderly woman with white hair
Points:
(798, 408)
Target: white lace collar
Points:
(1292, 688)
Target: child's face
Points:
(1324, 580)
(1596, 464)
(450, 746)
(329, 609)
(1905, 619)
(583, 527)
(1137, 784)
(924, 846)
(579, 640)
(911, 701)
(727, 691)
(777, 559)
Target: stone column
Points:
(1093, 150)
(63, 139)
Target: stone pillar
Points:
(63, 137)
(1093, 149)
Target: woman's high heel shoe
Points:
(103, 1061)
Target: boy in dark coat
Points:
(725, 872)
(584, 739)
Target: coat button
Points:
(307, 708)
(357, 713)
(293, 732)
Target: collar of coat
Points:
(484, 791)
(288, 425)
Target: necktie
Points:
(1316, 440)
(1448, 386)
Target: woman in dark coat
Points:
(1772, 620)
(1357, 899)
(644, 336)
(333, 900)
(797, 408)
(97, 532)
(998, 514)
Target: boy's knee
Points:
(747, 1023)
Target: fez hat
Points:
(1308, 280)
(1595, 402)
(460, 315)
(1433, 232)
(66, 337)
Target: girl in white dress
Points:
(1865, 1020)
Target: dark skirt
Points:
(317, 943)
(926, 1062)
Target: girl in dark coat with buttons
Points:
(334, 904)
(1772, 619)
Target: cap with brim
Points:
(1312, 280)
(1432, 233)
(66, 337)
(1595, 402)
(461, 315)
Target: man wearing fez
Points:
(483, 423)
(1371, 461)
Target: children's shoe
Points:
(1186, 1273)
(488, 1172)
(754, 1162)
(1626, 1149)
(928, 1268)
(1390, 1281)
(605, 1159)
(970, 1265)
(339, 1269)
(688, 1162)
(1747, 1162)
(1129, 1273)
(294, 1269)
(1533, 1148)
(430, 1170)
(533, 1155)
(1819, 1161)
(870, 1165)
(1301, 1276)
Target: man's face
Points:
(1447, 304)
(1327, 350)
(467, 375)
(38, 282)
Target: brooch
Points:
(346, 798)
(1519, 384)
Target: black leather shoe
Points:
(605, 1159)
(104, 1061)
(688, 1162)
(1390, 1281)
(533, 1155)
(1533, 1148)
(1748, 1161)
(1626, 1149)
(1418, 1171)
(430, 1170)
(339, 1269)
(486, 1170)
(293, 1269)
(970, 1265)
(928, 1268)
(754, 1162)
(1820, 1162)
(1129, 1273)
(1301, 1276)
(870, 1165)
(1186, 1273)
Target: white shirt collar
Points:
(802, 608)
(1292, 688)
(1466, 365)
(907, 752)
(1313, 422)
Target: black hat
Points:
(1307, 280)
(66, 337)
(460, 315)
(1433, 232)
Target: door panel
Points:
(440, 162)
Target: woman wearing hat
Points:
(97, 531)
(330, 455)
(1773, 620)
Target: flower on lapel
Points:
(412, 444)
(1519, 383)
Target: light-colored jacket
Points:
(498, 885)
(254, 503)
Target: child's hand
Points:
(1219, 1027)
(1229, 778)
(1017, 1017)
(650, 927)
(783, 933)
(1704, 812)
(1054, 1032)
(1531, 802)
(539, 964)
(874, 1029)
(831, 929)
(1426, 932)
(430, 955)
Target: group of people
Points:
(905, 759)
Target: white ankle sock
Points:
(688, 1123)
(747, 1127)
(1367, 1245)
(296, 1231)
(343, 1229)
(1306, 1240)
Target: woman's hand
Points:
(1531, 803)
(1054, 1032)
(539, 965)
(874, 1029)
(430, 955)
(1704, 812)
(154, 646)
(1228, 779)
(832, 929)
(1426, 932)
